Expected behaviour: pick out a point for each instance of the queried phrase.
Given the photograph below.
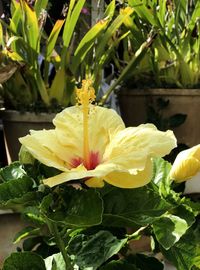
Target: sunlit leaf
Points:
(53, 37)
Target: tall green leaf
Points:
(51, 41)
(57, 88)
(110, 31)
(39, 6)
(31, 26)
(72, 18)
(87, 43)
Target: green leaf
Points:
(53, 37)
(39, 6)
(119, 265)
(128, 207)
(1, 36)
(32, 214)
(72, 18)
(31, 27)
(13, 171)
(87, 43)
(58, 86)
(25, 232)
(110, 9)
(17, 191)
(168, 230)
(177, 120)
(76, 209)
(109, 33)
(94, 250)
(186, 252)
(145, 262)
(55, 262)
(24, 261)
(143, 11)
(161, 169)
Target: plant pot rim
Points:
(159, 91)
(17, 116)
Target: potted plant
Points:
(167, 72)
(48, 87)
(80, 194)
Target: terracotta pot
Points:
(16, 125)
(134, 106)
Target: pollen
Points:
(86, 94)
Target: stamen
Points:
(85, 96)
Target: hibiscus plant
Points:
(91, 189)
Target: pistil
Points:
(85, 96)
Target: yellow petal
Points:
(81, 173)
(49, 140)
(186, 164)
(103, 124)
(131, 147)
(37, 145)
(95, 182)
(127, 180)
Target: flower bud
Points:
(186, 164)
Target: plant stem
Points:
(54, 230)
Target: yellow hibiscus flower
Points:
(91, 143)
(186, 164)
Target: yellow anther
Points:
(86, 94)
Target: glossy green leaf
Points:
(161, 175)
(18, 191)
(55, 262)
(53, 37)
(13, 171)
(171, 226)
(128, 207)
(94, 250)
(76, 210)
(186, 252)
(24, 261)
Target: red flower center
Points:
(94, 161)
